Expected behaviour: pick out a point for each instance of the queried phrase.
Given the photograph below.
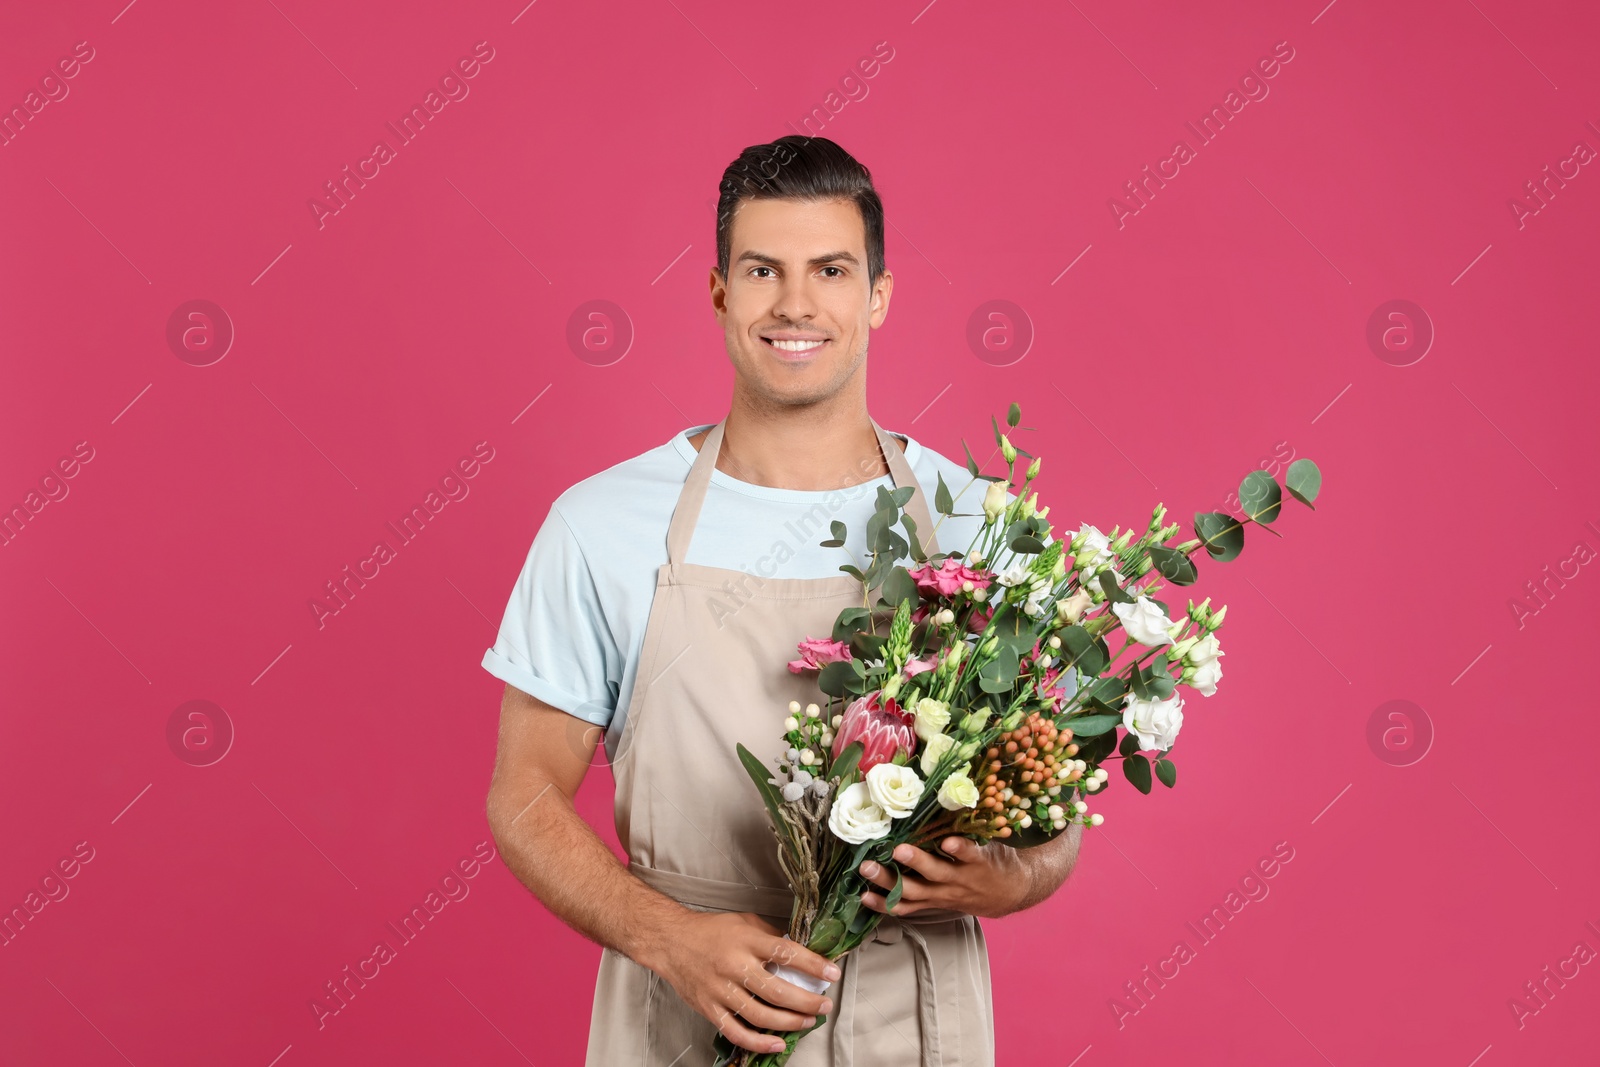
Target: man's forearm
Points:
(564, 863)
(1047, 866)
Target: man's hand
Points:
(715, 962)
(990, 880)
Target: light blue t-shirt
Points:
(574, 627)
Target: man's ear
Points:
(880, 299)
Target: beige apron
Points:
(713, 673)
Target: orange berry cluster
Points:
(1019, 777)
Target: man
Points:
(659, 603)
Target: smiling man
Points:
(655, 613)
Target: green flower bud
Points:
(1033, 468)
(1007, 449)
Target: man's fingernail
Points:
(827, 1006)
(831, 973)
(869, 868)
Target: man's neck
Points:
(810, 449)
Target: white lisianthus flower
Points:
(957, 792)
(1094, 546)
(994, 500)
(855, 817)
(933, 751)
(1156, 722)
(1144, 621)
(1205, 678)
(894, 788)
(932, 717)
(1204, 651)
(1015, 574)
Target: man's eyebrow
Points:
(814, 261)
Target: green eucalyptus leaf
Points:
(1014, 416)
(898, 586)
(1222, 534)
(1082, 651)
(1260, 497)
(1304, 481)
(845, 765)
(834, 676)
(1167, 771)
(1112, 590)
(851, 621)
(1091, 725)
(1174, 566)
(1107, 694)
(1137, 771)
(910, 525)
(942, 503)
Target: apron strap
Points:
(890, 929)
(693, 496)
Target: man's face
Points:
(796, 307)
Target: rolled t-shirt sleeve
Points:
(554, 642)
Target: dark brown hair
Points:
(800, 168)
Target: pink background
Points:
(1224, 322)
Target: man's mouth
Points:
(794, 347)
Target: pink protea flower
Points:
(946, 579)
(817, 651)
(882, 727)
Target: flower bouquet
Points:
(977, 693)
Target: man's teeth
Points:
(794, 346)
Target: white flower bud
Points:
(794, 707)
(1079, 806)
(807, 757)
(812, 711)
(790, 724)
(1096, 819)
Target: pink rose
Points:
(817, 651)
(882, 727)
(946, 579)
(917, 666)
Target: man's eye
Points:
(839, 269)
